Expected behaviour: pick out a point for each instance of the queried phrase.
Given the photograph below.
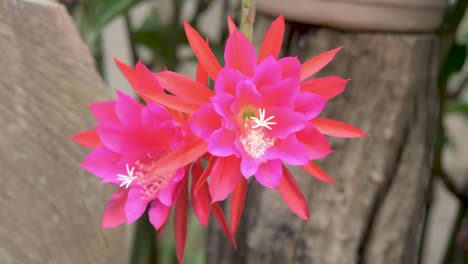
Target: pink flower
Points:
(148, 152)
(264, 115)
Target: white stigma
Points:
(127, 179)
(262, 122)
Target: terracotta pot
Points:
(363, 15)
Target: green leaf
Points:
(452, 63)
(457, 107)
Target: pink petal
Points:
(318, 173)
(158, 214)
(292, 194)
(287, 121)
(224, 177)
(205, 121)
(273, 39)
(219, 216)
(104, 112)
(248, 166)
(327, 87)
(88, 138)
(309, 104)
(203, 53)
(267, 72)
(167, 194)
(223, 105)
(128, 110)
(247, 93)
(237, 204)
(289, 150)
(114, 214)
(336, 128)
(227, 81)
(180, 223)
(200, 198)
(290, 68)
(269, 173)
(221, 143)
(239, 54)
(184, 87)
(101, 162)
(316, 144)
(135, 205)
(281, 94)
(231, 25)
(312, 66)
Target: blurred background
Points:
(151, 31)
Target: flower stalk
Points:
(247, 18)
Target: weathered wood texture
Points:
(373, 214)
(50, 208)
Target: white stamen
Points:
(127, 179)
(262, 122)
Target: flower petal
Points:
(283, 93)
(168, 194)
(205, 121)
(267, 72)
(318, 173)
(335, 128)
(224, 177)
(239, 54)
(273, 39)
(158, 214)
(184, 87)
(237, 204)
(202, 179)
(202, 75)
(316, 144)
(135, 205)
(287, 121)
(200, 198)
(88, 138)
(221, 143)
(104, 112)
(221, 219)
(202, 51)
(292, 194)
(101, 162)
(223, 105)
(309, 104)
(248, 166)
(327, 87)
(114, 214)
(128, 110)
(231, 25)
(312, 66)
(180, 223)
(227, 81)
(170, 101)
(269, 173)
(289, 150)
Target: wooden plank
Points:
(373, 213)
(50, 208)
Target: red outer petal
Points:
(327, 87)
(335, 128)
(273, 39)
(88, 138)
(170, 101)
(231, 25)
(180, 222)
(315, 64)
(292, 195)
(237, 204)
(203, 53)
(114, 213)
(200, 200)
(202, 179)
(202, 75)
(224, 178)
(193, 150)
(318, 173)
(185, 87)
(128, 72)
(221, 219)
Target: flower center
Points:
(254, 139)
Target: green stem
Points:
(247, 18)
(144, 242)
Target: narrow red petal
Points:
(335, 128)
(317, 172)
(224, 178)
(203, 53)
(273, 40)
(184, 87)
(128, 72)
(221, 219)
(327, 87)
(315, 64)
(201, 181)
(202, 75)
(231, 25)
(193, 150)
(292, 195)
(170, 101)
(180, 222)
(88, 138)
(237, 204)
(200, 200)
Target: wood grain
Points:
(373, 214)
(50, 208)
